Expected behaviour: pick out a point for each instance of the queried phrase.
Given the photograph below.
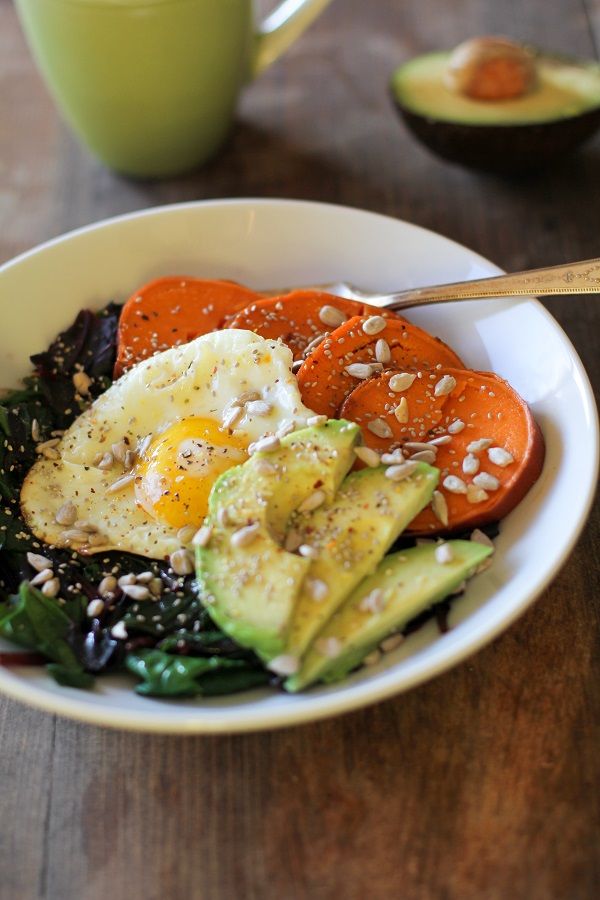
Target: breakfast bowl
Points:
(272, 244)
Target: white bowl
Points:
(267, 243)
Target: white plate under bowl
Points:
(264, 243)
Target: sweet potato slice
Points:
(324, 379)
(301, 316)
(490, 450)
(174, 310)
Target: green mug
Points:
(151, 85)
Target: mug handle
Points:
(281, 28)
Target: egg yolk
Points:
(175, 476)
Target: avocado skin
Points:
(502, 149)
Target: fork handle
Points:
(572, 278)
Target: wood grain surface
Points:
(481, 784)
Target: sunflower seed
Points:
(332, 316)
(372, 658)
(391, 643)
(35, 430)
(296, 366)
(136, 591)
(119, 632)
(293, 540)
(440, 441)
(401, 382)
(380, 428)
(38, 562)
(47, 445)
(470, 464)
(329, 647)
(383, 354)
(108, 585)
(480, 537)
(264, 445)
(245, 536)
(373, 325)
(181, 562)
(373, 602)
(369, 456)
(119, 450)
(120, 484)
(96, 540)
(418, 445)
(285, 428)
(486, 481)
(426, 456)
(401, 411)
(258, 408)
(500, 457)
(393, 459)
(126, 580)
(106, 461)
(264, 467)
(286, 664)
(454, 485)
(478, 446)
(144, 577)
(202, 536)
(315, 421)
(444, 386)
(95, 608)
(42, 577)
(185, 535)
(82, 383)
(232, 416)
(313, 501)
(316, 341)
(443, 554)
(67, 514)
(51, 588)
(317, 589)
(476, 494)
(156, 587)
(307, 551)
(246, 397)
(440, 507)
(86, 526)
(359, 370)
(224, 517)
(401, 471)
(129, 460)
(456, 427)
(75, 534)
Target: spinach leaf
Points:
(38, 623)
(173, 676)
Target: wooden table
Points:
(481, 784)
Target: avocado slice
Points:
(403, 585)
(350, 536)
(513, 135)
(250, 588)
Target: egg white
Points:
(200, 379)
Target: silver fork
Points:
(571, 278)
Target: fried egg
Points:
(134, 471)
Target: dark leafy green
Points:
(164, 675)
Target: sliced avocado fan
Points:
(349, 537)
(246, 578)
(403, 585)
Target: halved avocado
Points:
(559, 111)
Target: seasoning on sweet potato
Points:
(174, 310)
(301, 317)
(359, 348)
(472, 425)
